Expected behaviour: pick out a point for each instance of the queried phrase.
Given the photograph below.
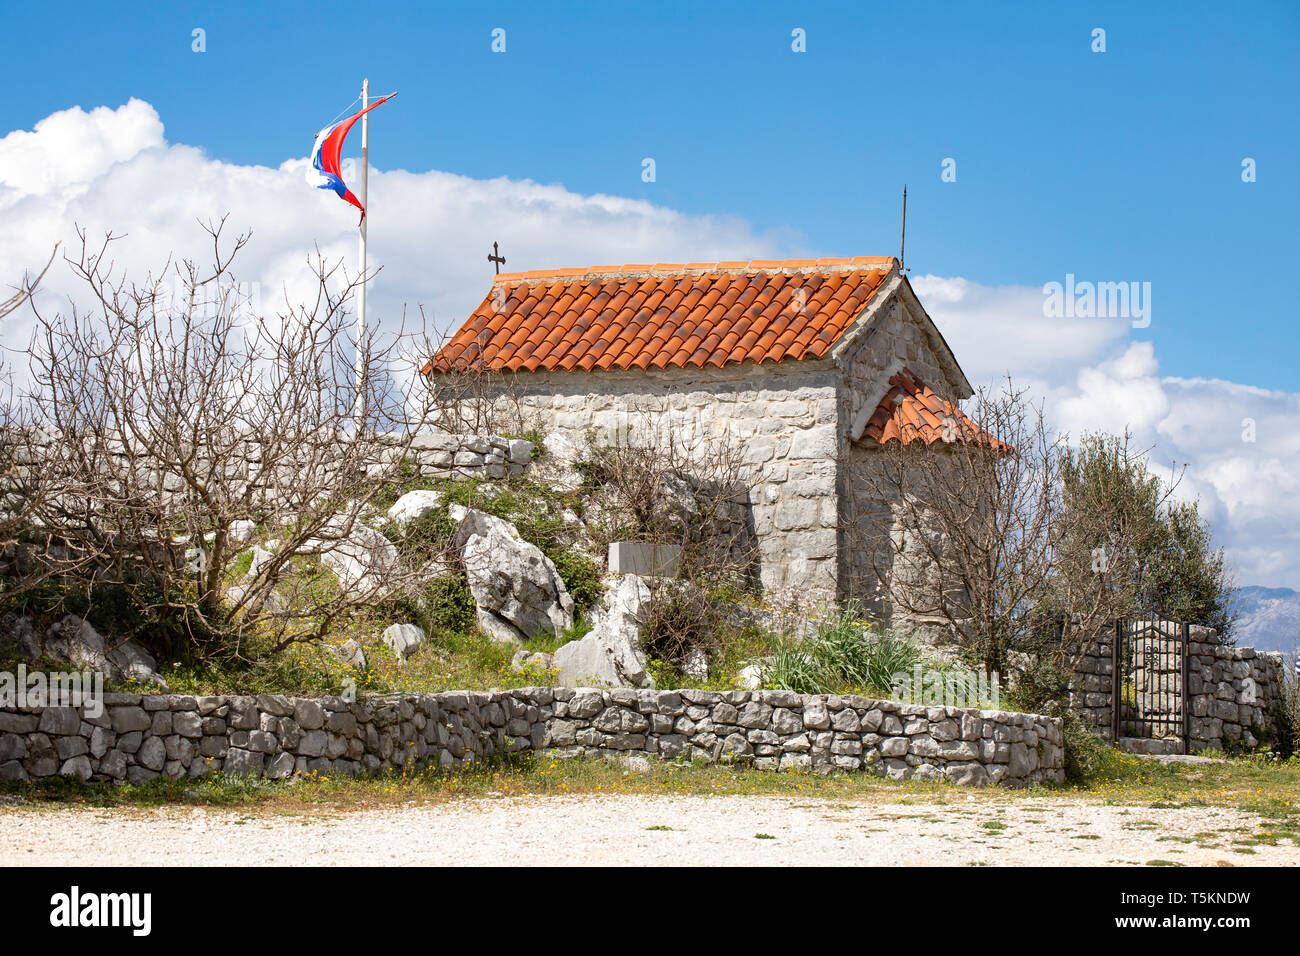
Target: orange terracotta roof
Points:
(653, 316)
(912, 412)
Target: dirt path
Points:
(642, 830)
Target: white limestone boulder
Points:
(135, 664)
(351, 654)
(516, 587)
(610, 654)
(20, 628)
(263, 601)
(241, 532)
(538, 663)
(361, 558)
(261, 558)
(695, 665)
(521, 451)
(414, 506)
(75, 640)
(404, 639)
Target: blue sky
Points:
(1122, 166)
(1117, 166)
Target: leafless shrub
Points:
(681, 487)
(212, 460)
(466, 397)
(21, 489)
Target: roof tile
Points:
(639, 316)
(912, 412)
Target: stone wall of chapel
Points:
(783, 419)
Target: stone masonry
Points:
(443, 455)
(781, 419)
(138, 738)
(1234, 693)
(795, 424)
(432, 454)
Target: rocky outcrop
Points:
(413, 507)
(360, 557)
(610, 654)
(516, 588)
(73, 640)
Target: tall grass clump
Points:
(843, 654)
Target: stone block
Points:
(644, 558)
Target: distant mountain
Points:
(1267, 618)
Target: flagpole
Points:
(361, 294)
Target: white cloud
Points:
(72, 148)
(1094, 377)
(994, 330)
(1118, 393)
(431, 232)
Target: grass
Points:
(450, 660)
(848, 655)
(1270, 791)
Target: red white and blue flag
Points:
(325, 172)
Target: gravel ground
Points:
(634, 829)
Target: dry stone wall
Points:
(138, 738)
(1234, 694)
(1090, 683)
(432, 454)
(440, 455)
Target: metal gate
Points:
(1149, 683)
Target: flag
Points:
(325, 172)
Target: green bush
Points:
(306, 670)
(679, 619)
(1087, 756)
(444, 604)
(433, 531)
(581, 576)
(140, 613)
(449, 605)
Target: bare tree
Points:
(684, 488)
(209, 457)
(27, 288)
(467, 396)
(976, 541)
(21, 484)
